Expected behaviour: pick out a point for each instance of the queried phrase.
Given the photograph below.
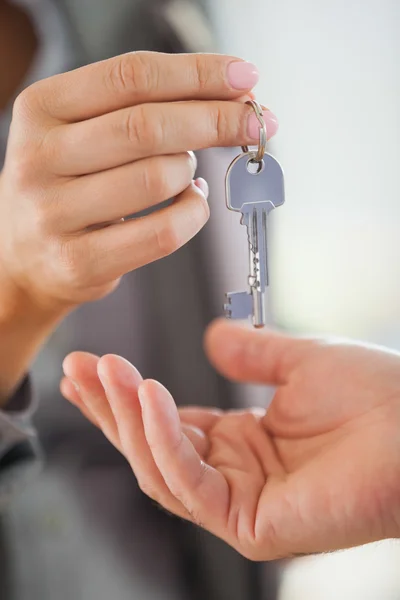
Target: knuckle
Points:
(53, 151)
(22, 105)
(172, 232)
(202, 72)
(25, 105)
(137, 126)
(148, 64)
(168, 238)
(131, 71)
(73, 261)
(27, 175)
(23, 170)
(221, 124)
(33, 104)
(142, 130)
(41, 222)
(27, 137)
(217, 125)
(155, 181)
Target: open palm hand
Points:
(318, 471)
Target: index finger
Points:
(139, 77)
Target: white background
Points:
(330, 71)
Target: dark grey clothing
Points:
(20, 456)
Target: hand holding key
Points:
(92, 146)
(89, 148)
(319, 471)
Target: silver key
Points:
(253, 189)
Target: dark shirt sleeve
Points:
(20, 456)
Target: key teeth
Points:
(238, 305)
(228, 307)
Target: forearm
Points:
(24, 327)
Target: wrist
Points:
(18, 304)
(25, 324)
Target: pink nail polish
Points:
(203, 186)
(242, 75)
(271, 123)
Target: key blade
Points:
(239, 305)
(262, 248)
(255, 219)
(258, 263)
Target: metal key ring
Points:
(263, 132)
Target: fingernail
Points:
(271, 123)
(194, 159)
(203, 186)
(242, 75)
(122, 371)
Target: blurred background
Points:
(330, 71)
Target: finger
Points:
(120, 382)
(198, 438)
(81, 368)
(197, 422)
(140, 77)
(117, 193)
(246, 355)
(121, 248)
(203, 418)
(202, 490)
(70, 393)
(152, 129)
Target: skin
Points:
(86, 149)
(318, 471)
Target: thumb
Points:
(252, 356)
